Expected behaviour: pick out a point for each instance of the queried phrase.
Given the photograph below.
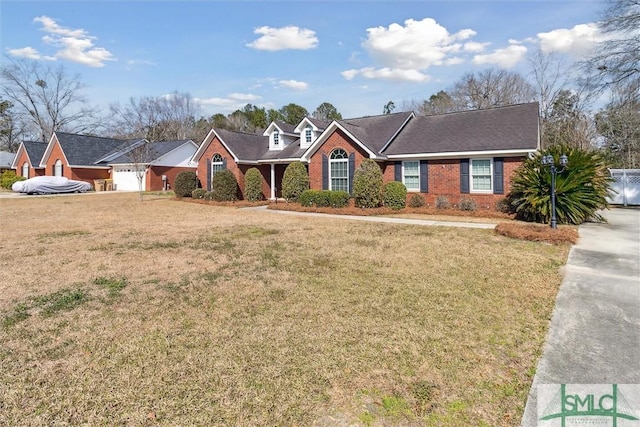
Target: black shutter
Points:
(61, 170)
(464, 176)
(498, 175)
(325, 172)
(208, 174)
(352, 170)
(424, 176)
(397, 172)
(224, 163)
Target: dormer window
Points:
(308, 134)
(276, 138)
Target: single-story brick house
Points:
(465, 154)
(89, 158)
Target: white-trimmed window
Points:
(481, 175)
(339, 170)
(276, 138)
(57, 171)
(217, 164)
(25, 170)
(308, 135)
(411, 175)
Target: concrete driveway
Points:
(594, 336)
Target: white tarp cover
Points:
(50, 185)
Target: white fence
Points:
(626, 184)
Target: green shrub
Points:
(323, 199)
(198, 193)
(467, 204)
(208, 195)
(8, 178)
(253, 185)
(339, 199)
(416, 201)
(224, 186)
(367, 185)
(294, 181)
(307, 197)
(581, 189)
(395, 195)
(185, 183)
(442, 202)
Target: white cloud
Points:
(474, 47)
(232, 102)
(25, 52)
(577, 41)
(294, 84)
(506, 57)
(75, 45)
(405, 52)
(290, 37)
(396, 74)
(417, 45)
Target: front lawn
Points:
(115, 311)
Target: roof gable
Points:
(34, 151)
(81, 150)
(156, 150)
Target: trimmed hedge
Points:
(324, 198)
(395, 195)
(253, 185)
(224, 186)
(294, 181)
(367, 185)
(198, 193)
(185, 183)
(8, 178)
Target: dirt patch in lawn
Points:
(115, 311)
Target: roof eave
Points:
(464, 154)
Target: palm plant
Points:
(581, 188)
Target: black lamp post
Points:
(549, 161)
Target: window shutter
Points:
(325, 172)
(424, 176)
(464, 176)
(498, 175)
(352, 169)
(61, 170)
(397, 172)
(224, 163)
(209, 174)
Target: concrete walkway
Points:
(594, 335)
(484, 225)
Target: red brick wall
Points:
(57, 154)
(88, 174)
(336, 140)
(154, 176)
(32, 171)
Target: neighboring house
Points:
(466, 154)
(155, 164)
(6, 161)
(89, 158)
(27, 160)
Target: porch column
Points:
(273, 181)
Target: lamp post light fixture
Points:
(549, 161)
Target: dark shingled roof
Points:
(291, 151)
(156, 150)
(285, 127)
(375, 131)
(513, 127)
(83, 150)
(246, 146)
(320, 124)
(35, 151)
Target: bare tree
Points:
(11, 129)
(47, 99)
(164, 118)
(618, 56)
(569, 123)
(439, 103)
(491, 88)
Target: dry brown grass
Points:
(538, 233)
(114, 311)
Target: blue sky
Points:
(357, 55)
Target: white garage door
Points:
(126, 179)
